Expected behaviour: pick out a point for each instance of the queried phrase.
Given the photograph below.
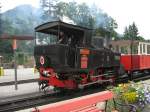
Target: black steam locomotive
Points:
(66, 58)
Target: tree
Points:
(134, 30)
(50, 9)
(60, 10)
(104, 24)
(71, 11)
(5, 45)
(131, 33)
(112, 26)
(126, 34)
(82, 15)
(140, 38)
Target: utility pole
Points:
(132, 43)
(15, 62)
(15, 38)
(0, 20)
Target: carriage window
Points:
(148, 49)
(45, 39)
(135, 49)
(143, 48)
(117, 48)
(124, 50)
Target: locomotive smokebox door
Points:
(42, 60)
(84, 57)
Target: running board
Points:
(99, 81)
(100, 75)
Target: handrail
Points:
(76, 103)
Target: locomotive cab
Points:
(57, 44)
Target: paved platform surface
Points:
(9, 91)
(22, 74)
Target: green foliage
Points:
(126, 92)
(20, 58)
(131, 33)
(20, 21)
(81, 14)
(50, 9)
(126, 34)
(140, 38)
(101, 32)
(6, 26)
(84, 17)
(133, 93)
(5, 45)
(6, 50)
(112, 26)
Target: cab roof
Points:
(55, 27)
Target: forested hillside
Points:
(21, 20)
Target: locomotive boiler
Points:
(66, 58)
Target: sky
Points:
(125, 12)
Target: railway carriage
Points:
(135, 57)
(74, 62)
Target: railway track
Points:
(34, 100)
(18, 82)
(136, 78)
(41, 99)
(142, 78)
(27, 103)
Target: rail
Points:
(27, 101)
(18, 82)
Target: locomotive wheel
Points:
(43, 86)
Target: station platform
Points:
(22, 74)
(9, 91)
